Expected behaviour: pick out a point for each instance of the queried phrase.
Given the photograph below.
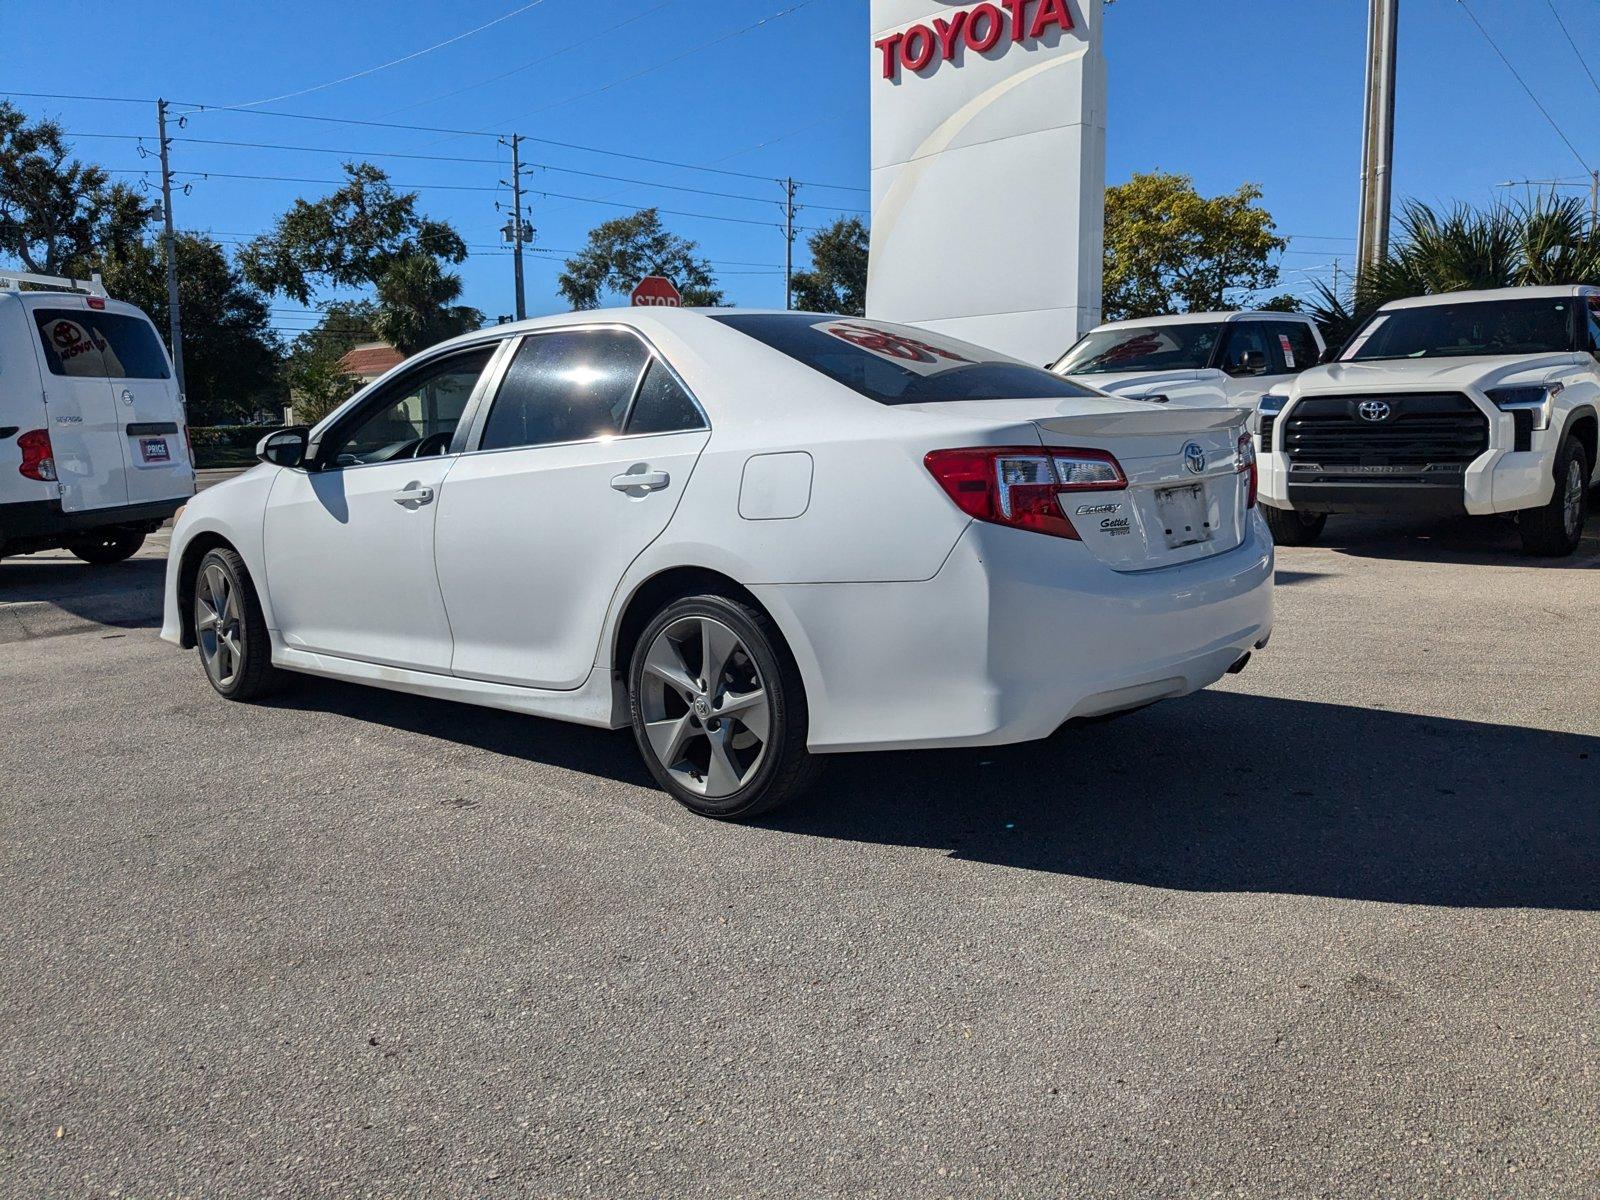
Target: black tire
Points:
(782, 768)
(249, 674)
(108, 546)
(1291, 527)
(1555, 529)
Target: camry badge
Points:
(1194, 457)
(1374, 410)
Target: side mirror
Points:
(285, 448)
(1252, 362)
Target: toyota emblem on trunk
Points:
(1374, 410)
(1194, 457)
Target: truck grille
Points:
(1418, 429)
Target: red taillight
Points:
(1021, 486)
(38, 460)
(188, 447)
(1247, 462)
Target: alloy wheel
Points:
(218, 625)
(707, 713)
(1572, 505)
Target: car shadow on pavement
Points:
(125, 595)
(1237, 793)
(1219, 791)
(1466, 541)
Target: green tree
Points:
(317, 382)
(56, 210)
(231, 356)
(1169, 249)
(837, 280)
(368, 235)
(622, 252)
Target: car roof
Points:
(1558, 292)
(1194, 318)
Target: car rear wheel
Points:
(718, 708)
(230, 630)
(1291, 527)
(1555, 529)
(108, 546)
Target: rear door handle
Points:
(415, 494)
(644, 481)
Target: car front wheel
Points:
(1555, 529)
(230, 629)
(1291, 527)
(718, 708)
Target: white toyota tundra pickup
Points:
(1468, 402)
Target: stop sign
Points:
(657, 291)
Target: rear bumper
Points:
(39, 519)
(1014, 636)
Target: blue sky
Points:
(1227, 91)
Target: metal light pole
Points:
(1377, 148)
(169, 242)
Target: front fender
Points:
(230, 513)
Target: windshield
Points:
(1468, 330)
(1186, 346)
(896, 364)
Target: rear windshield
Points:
(1181, 346)
(1474, 329)
(896, 364)
(99, 345)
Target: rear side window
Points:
(565, 387)
(99, 345)
(1295, 344)
(1245, 338)
(663, 406)
(896, 364)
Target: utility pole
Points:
(1594, 201)
(516, 230)
(1377, 148)
(169, 242)
(789, 190)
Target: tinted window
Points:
(1295, 345)
(1245, 337)
(895, 364)
(99, 345)
(416, 416)
(1180, 346)
(565, 387)
(1468, 330)
(663, 406)
(1594, 323)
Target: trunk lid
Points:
(1186, 498)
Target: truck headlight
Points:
(1533, 399)
(1272, 404)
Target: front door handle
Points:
(414, 494)
(643, 481)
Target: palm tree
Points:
(1551, 240)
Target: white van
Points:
(94, 448)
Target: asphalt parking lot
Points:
(1327, 929)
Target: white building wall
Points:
(988, 173)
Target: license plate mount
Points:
(155, 450)
(1185, 515)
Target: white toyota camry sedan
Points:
(755, 537)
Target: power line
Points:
(410, 128)
(1495, 46)
(1582, 62)
(767, 20)
(384, 66)
(595, 37)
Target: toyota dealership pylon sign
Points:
(657, 291)
(988, 170)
